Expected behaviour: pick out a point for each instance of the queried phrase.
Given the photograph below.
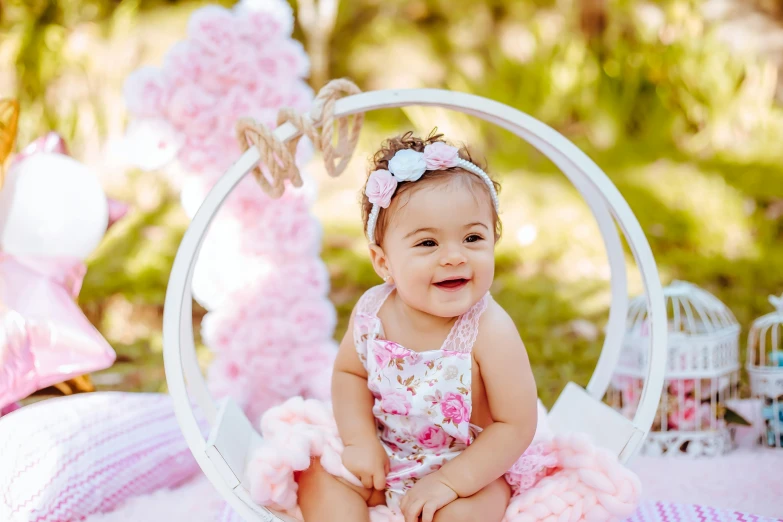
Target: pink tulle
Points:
(559, 478)
(269, 322)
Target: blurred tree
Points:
(593, 17)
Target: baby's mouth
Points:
(452, 284)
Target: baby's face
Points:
(440, 248)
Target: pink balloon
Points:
(44, 336)
(49, 142)
(117, 210)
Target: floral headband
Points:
(410, 165)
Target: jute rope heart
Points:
(280, 158)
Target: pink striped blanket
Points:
(652, 511)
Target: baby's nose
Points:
(453, 256)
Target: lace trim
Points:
(372, 300)
(537, 461)
(462, 337)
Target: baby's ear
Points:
(379, 261)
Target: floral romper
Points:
(422, 399)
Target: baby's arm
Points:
(352, 404)
(351, 398)
(511, 392)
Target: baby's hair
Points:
(408, 141)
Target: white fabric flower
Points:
(407, 165)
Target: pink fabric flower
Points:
(233, 68)
(227, 376)
(682, 386)
(382, 357)
(388, 351)
(311, 319)
(246, 203)
(690, 416)
(298, 280)
(280, 62)
(236, 102)
(193, 110)
(299, 96)
(433, 437)
(380, 188)
(440, 155)
(287, 229)
(146, 92)
(183, 63)
(454, 408)
(263, 22)
(315, 368)
(395, 403)
(213, 26)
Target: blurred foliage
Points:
(687, 129)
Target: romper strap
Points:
(366, 323)
(465, 331)
(371, 301)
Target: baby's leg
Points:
(488, 505)
(326, 498)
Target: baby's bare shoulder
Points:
(497, 331)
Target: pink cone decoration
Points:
(270, 323)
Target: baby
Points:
(432, 391)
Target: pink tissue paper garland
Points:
(270, 323)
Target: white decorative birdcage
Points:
(765, 369)
(702, 372)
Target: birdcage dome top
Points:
(765, 337)
(690, 310)
(772, 318)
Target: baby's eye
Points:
(427, 243)
(473, 238)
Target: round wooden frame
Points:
(186, 383)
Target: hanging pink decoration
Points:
(259, 274)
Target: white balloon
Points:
(52, 205)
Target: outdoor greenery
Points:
(687, 128)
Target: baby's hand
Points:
(368, 462)
(425, 498)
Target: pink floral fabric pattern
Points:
(422, 399)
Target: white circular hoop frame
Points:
(183, 375)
